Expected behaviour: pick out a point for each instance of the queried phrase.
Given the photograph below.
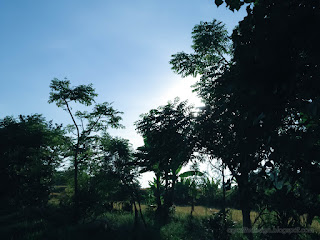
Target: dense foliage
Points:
(168, 146)
(261, 107)
(30, 150)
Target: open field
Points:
(54, 223)
(200, 211)
(236, 214)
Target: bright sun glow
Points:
(181, 88)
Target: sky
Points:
(122, 47)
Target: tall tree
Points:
(278, 68)
(85, 124)
(268, 85)
(225, 125)
(168, 145)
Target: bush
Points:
(217, 226)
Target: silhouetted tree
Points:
(168, 145)
(223, 126)
(85, 124)
(30, 150)
(260, 94)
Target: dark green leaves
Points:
(186, 64)
(30, 149)
(102, 115)
(168, 137)
(107, 115)
(218, 2)
(211, 46)
(210, 38)
(61, 93)
(191, 174)
(233, 4)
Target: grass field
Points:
(236, 215)
(199, 211)
(54, 223)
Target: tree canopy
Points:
(30, 150)
(264, 94)
(167, 131)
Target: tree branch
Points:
(74, 121)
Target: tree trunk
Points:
(167, 196)
(76, 194)
(224, 202)
(135, 214)
(174, 179)
(245, 198)
(139, 203)
(247, 222)
(192, 206)
(158, 198)
(223, 193)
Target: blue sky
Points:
(123, 47)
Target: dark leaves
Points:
(218, 2)
(61, 93)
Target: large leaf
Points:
(179, 169)
(190, 174)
